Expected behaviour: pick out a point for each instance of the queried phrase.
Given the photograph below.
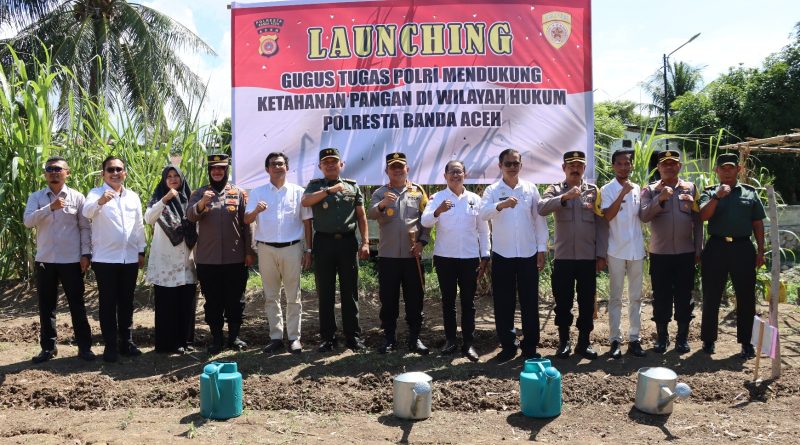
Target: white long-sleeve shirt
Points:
(117, 227)
(518, 232)
(460, 233)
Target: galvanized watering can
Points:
(412, 396)
(657, 388)
(540, 389)
(220, 391)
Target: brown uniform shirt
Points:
(223, 237)
(581, 231)
(675, 224)
(397, 221)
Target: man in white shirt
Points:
(620, 204)
(519, 241)
(282, 224)
(63, 253)
(460, 254)
(118, 245)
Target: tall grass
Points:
(30, 133)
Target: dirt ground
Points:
(347, 397)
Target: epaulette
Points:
(711, 187)
(349, 181)
(316, 181)
(748, 187)
(590, 185)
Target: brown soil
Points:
(347, 397)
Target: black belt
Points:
(730, 239)
(337, 235)
(279, 245)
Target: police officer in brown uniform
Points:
(734, 212)
(581, 242)
(224, 251)
(671, 207)
(398, 207)
(338, 207)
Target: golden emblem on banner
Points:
(268, 45)
(557, 27)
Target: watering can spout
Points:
(682, 391)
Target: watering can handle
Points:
(213, 380)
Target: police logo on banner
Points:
(557, 27)
(268, 29)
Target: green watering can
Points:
(220, 391)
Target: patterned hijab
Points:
(173, 218)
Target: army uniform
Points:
(222, 244)
(335, 252)
(581, 236)
(729, 250)
(676, 238)
(396, 266)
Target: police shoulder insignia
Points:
(349, 181)
(711, 187)
(748, 187)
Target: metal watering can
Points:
(220, 391)
(540, 389)
(412, 396)
(656, 388)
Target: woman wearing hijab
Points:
(171, 266)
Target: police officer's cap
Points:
(727, 158)
(220, 159)
(329, 153)
(669, 155)
(395, 158)
(575, 155)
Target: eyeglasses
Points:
(277, 164)
(53, 169)
(114, 169)
(511, 164)
(455, 172)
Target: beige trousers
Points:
(281, 266)
(617, 270)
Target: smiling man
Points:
(118, 244)
(63, 254)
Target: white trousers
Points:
(281, 265)
(617, 270)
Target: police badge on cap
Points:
(727, 159)
(394, 158)
(329, 153)
(669, 155)
(572, 156)
(218, 160)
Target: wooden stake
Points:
(774, 240)
(758, 348)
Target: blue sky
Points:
(629, 39)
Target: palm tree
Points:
(121, 53)
(681, 78)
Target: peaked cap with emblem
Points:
(727, 158)
(393, 158)
(219, 159)
(575, 155)
(329, 153)
(669, 155)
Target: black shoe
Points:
(635, 349)
(564, 349)
(748, 351)
(273, 346)
(388, 347)
(327, 346)
(45, 355)
(418, 347)
(238, 344)
(681, 340)
(682, 347)
(295, 347)
(616, 351)
(180, 350)
(130, 350)
(356, 344)
(470, 353)
(583, 347)
(86, 354)
(449, 348)
(506, 354)
(662, 338)
(188, 349)
(708, 347)
(110, 355)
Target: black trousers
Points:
(48, 275)
(223, 287)
(512, 276)
(392, 274)
(720, 258)
(569, 276)
(672, 277)
(455, 274)
(174, 307)
(334, 257)
(116, 283)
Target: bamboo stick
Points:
(774, 240)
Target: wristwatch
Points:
(325, 189)
(307, 251)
